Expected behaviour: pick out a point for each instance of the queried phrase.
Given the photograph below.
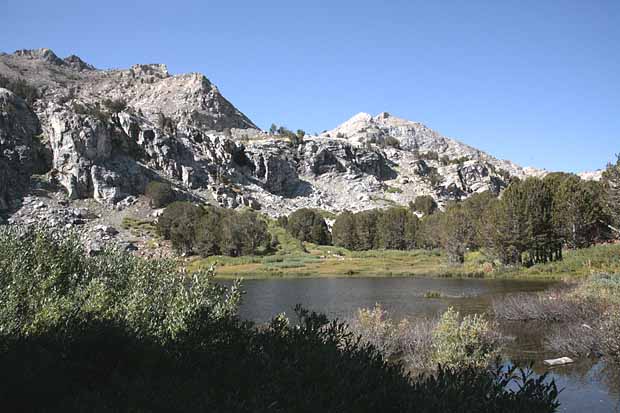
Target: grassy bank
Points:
(297, 259)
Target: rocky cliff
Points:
(107, 133)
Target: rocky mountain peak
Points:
(158, 70)
(44, 54)
(111, 132)
(77, 63)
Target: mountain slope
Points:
(110, 132)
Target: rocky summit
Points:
(102, 135)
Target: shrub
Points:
(115, 105)
(393, 190)
(119, 333)
(160, 194)
(610, 340)
(48, 282)
(424, 204)
(392, 142)
(466, 341)
(178, 224)
(21, 88)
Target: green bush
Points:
(178, 224)
(119, 333)
(466, 341)
(160, 194)
(424, 204)
(48, 281)
(213, 231)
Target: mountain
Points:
(102, 135)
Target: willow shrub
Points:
(47, 281)
(470, 340)
(118, 333)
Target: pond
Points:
(589, 385)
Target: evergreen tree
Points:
(396, 228)
(578, 210)
(520, 227)
(344, 231)
(178, 224)
(208, 232)
(457, 233)
(611, 181)
(366, 230)
(308, 225)
(424, 204)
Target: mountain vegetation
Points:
(119, 333)
(212, 231)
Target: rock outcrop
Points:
(110, 132)
(19, 127)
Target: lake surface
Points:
(589, 386)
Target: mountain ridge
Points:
(109, 132)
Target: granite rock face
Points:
(107, 133)
(19, 128)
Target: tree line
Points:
(529, 223)
(209, 230)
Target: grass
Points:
(139, 227)
(393, 190)
(577, 263)
(432, 294)
(293, 258)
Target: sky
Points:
(536, 82)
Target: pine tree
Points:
(344, 231)
(611, 181)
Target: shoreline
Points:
(334, 262)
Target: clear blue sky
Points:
(537, 82)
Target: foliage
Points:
(160, 194)
(178, 224)
(166, 124)
(424, 204)
(392, 228)
(469, 341)
(430, 155)
(242, 233)
(396, 228)
(519, 228)
(393, 190)
(212, 231)
(308, 225)
(93, 110)
(119, 333)
(115, 105)
(343, 230)
(21, 88)
(48, 283)
(611, 182)
(579, 210)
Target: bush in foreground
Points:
(452, 341)
(117, 333)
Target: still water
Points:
(589, 386)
